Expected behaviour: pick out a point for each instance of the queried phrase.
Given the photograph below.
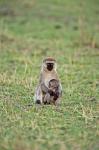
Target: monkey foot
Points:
(38, 102)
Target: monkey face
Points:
(50, 66)
(53, 85)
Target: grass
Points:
(30, 31)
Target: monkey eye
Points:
(50, 64)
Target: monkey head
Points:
(49, 64)
(54, 85)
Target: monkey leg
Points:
(57, 102)
(47, 98)
(38, 95)
(57, 96)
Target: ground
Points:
(30, 31)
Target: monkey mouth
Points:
(49, 66)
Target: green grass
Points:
(30, 31)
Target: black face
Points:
(50, 66)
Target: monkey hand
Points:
(57, 94)
(51, 92)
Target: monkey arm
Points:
(44, 88)
(60, 90)
(47, 98)
(38, 95)
(58, 95)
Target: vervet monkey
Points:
(54, 89)
(52, 92)
(49, 89)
